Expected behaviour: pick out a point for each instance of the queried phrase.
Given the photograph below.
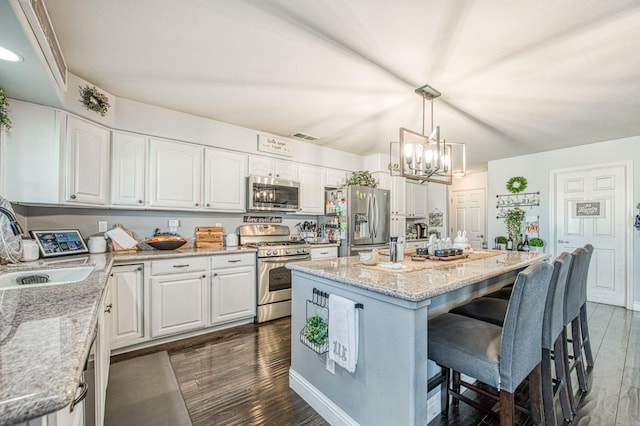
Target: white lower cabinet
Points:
(102, 356)
(178, 295)
(233, 287)
(127, 296)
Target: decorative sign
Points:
(531, 226)
(436, 218)
(275, 146)
(262, 219)
(588, 209)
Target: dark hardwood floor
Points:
(240, 376)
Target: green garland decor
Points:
(94, 100)
(516, 184)
(361, 178)
(4, 114)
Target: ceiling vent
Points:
(38, 17)
(305, 137)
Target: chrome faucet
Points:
(13, 222)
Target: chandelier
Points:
(427, 158)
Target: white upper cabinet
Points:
(270, 167)
(398, 195)
(335, 178)
(175, 174)
(416, 202)
(311, 189)
(32, 156)
(87, 156)
(128, 167)
(225, 180)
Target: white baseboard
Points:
(316, 399)
(636, 306)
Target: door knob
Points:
(563, 242)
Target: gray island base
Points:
(389, 385)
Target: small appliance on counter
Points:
(422, 230)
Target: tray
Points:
(445, 258)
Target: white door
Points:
(468, 213)
(590, 208)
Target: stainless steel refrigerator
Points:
(364, 217)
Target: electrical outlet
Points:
(174, 223)
(102, 226)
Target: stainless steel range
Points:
(276, 248)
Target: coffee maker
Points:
(422, 230)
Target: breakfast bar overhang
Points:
(389, 385)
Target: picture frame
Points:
(59, 242)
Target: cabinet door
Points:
(261, 166)
(311, 190)
(31, 154)
(398, 195)
(335, 178)
(102, 356)
(87, 168)
(416, 201)
(233, 294)
(286, 170)
(398, 225)
(127, 296)
(128, 166)
(175, 174)
(178, 303)
(225, 180)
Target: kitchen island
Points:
(389, 385)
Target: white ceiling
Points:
(516, 76)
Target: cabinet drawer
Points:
(180, 265)
(323, 252)
(233, 260)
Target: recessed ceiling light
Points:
(8, 55)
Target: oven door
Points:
(274, 279)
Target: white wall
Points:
(536, 169)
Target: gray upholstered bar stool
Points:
(501, 357)
(494, 310)
(575, 299)
(584, 326)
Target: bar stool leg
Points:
(535, 396)
(444, 391)
(562, 375)
(455, 386)
(586, 341)
(577, 355)
(507, 408)
(547, 388)
(565, 359)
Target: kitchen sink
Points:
(44, 277)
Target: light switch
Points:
(102, 226)
(174, 223)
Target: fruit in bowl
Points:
(370, 258)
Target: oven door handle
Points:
(285, 259)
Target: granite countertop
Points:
(421, 284)
(46, 332)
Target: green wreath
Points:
(516, 184)
(94, 100)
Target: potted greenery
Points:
(537, 244)
(4, 114)
(501, 240)
(361, 178)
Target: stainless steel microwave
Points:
(268, 194)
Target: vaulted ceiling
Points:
(516, 77)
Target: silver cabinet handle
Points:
(73, 196)
(324, 252)
(140, 201)
(83, 394)
(234, 260)
(186, 265)
(108, 308)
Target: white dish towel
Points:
(343, 332)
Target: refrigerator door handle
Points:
(374, 205)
